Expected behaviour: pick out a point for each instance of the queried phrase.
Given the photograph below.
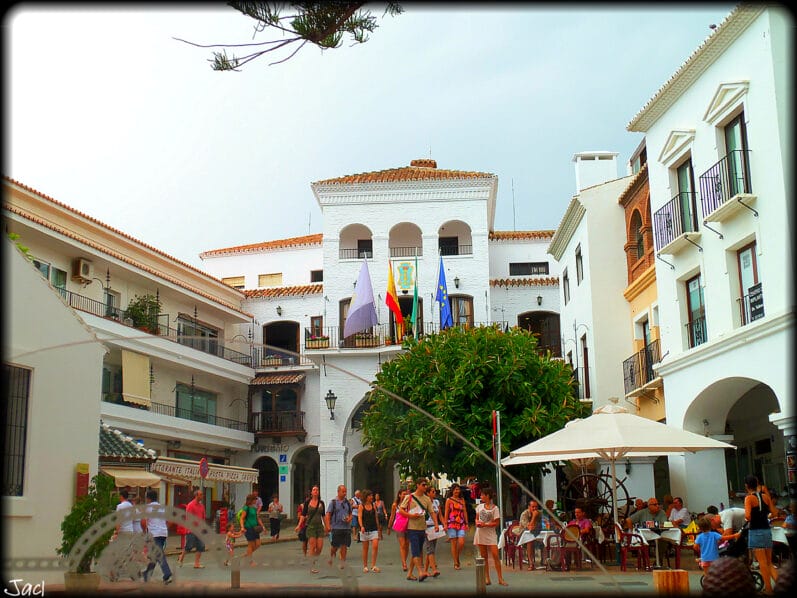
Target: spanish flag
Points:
(391, 299)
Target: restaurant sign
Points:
(184, 468)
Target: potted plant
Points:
(144, 310)
(318, 341)
(87, 510)
(364, 339)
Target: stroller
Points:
(738, 549)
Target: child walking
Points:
(229, 541)
(707, 543)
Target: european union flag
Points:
(446, 319)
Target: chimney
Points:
(424, 163)
(594, 168)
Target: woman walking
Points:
(456, 522)
(404, 547)
(251, 526)
(369, 530)
(381, 513)
(486, 538)
(757, 507)
(274, 515)
(312, 520)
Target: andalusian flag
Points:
(415, 302)
(391, 299)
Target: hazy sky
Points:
(110, 115)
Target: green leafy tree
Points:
(88, 510)
(321, 23)
(460, 376)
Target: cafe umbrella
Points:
(611, 433)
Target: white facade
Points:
(57, 418)
(722, 362)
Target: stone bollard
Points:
(235, 573)
(481, 588)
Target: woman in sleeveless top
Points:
(404, 546)
(381, 514)
(455, 517)
(312, 520)
(757, 507)
(486, 537)
(369, 530)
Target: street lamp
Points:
(331, 399)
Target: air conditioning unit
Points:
(82, 270)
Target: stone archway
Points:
(267, 479)
(306, 473)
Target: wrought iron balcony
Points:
(751, 306)
(406, 251)
(160, 328)
(456, 249)
(172, 411)
(725, 180)
(638, 369)
(670, 221)
(278, 424)
(697, 332)
(354, 254)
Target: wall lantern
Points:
(331, 399)
(456, 282)
(279, 310)
(539, 299)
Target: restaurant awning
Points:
(184, 468)
(134, 477)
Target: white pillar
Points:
(332, 461)
(690, 473)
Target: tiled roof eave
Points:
(290, 291)
(530, 235)
(289, 243)
(531, 281)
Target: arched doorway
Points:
(367, 473)
(545, 326)
(267, 479)
(306, 473)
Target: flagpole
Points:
(498, 472)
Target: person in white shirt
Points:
(732, 519)
(124, 527)
(156, 527)
(679, 514)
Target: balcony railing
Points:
(670, 221)
(638, 369)
(751, 306)
(727, 178)
(172, 411)
(406, 251)
(278, 423)
(162, 328)
(696, 332)
(456, 249)
(354, 254)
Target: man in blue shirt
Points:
(338, 519)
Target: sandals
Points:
(457, 567)
(412, 578)
(435, 573)
(422, 576)
(365, 569)
(376, 569)
(403, 566)
(199, 566)
(502, 583)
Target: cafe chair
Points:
(512, 552)
(570, 546)
(632, 543)
(555, 560)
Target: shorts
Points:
(251, 535)
(192, 542)
(759, 538)
(429, 546)
(274, 523)
(315, 530)
(355, 522)
(455, 533)
(368, 536)
(416, 538)
(340, 538)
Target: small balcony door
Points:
(696, 312)
(686, 196)
(735, 144)
(748, 277)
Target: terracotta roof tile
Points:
(293, 291)
(542, 281)
(115, 254)
(115, 443)
(516, 235)
(314, 239)
(272, 379)
(418, 170)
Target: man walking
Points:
(356, 501)
(417, 507)
(194, 510)
(156, 527)
(338, 519)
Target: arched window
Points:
(636, 235)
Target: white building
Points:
(721, 192)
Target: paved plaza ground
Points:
(282, 570)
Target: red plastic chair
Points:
(634, 544)
(570, 546)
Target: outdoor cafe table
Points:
(668, 534)
(527, 536)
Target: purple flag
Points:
(362, 310)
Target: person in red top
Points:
(194, 509)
